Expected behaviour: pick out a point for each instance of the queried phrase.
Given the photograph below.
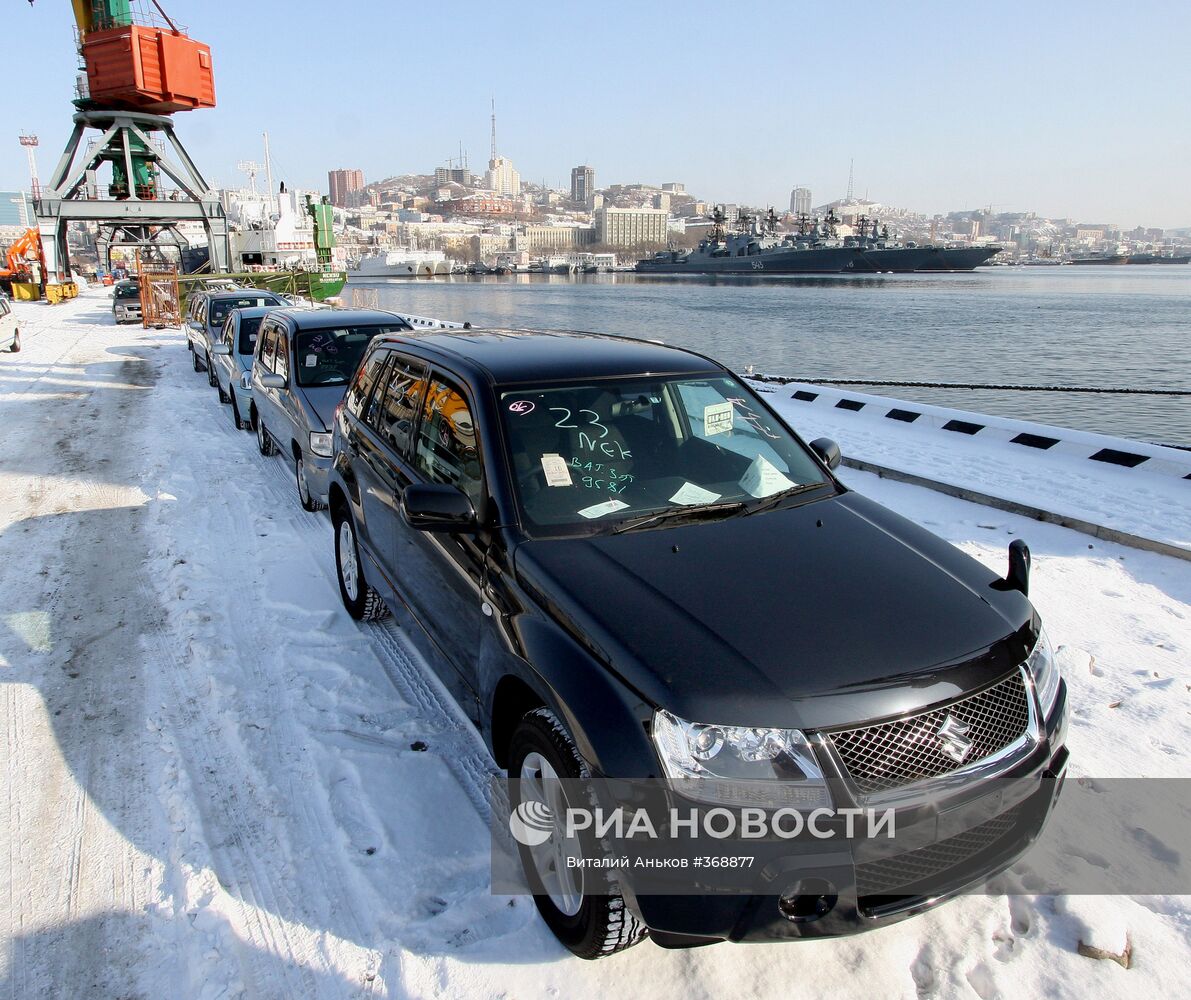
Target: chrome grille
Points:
(905, 871)
(893, 754)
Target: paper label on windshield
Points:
(311, 360)
(600, 509)
(762, 479)
(689, 493)
(554, 467)
(717, 419)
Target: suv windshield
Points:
(329, 355)
(249, 325)
(221, 307)
(614, 451)
(128, 291)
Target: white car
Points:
(10, 336)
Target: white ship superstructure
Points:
(403, 264)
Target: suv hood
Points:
(323, 399)
(823, 614)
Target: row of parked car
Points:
(624, 564)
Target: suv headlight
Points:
(320, 443)
(1045, 672)
(737, 765)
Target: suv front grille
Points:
(904, 871)
(892, 754)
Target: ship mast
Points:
(269, 176)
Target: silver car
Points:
(206, 313)
(303, 363)
(231, 361)
(126, 301)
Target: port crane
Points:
(138, 70)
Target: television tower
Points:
(851, 165)
(493, 129)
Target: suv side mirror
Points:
(220, 349)
(827, 450)
(433, 507)
(271, 380)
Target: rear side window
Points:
(361, 387)
(398, 409)
(446, 450)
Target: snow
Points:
(210, 787)
(1154, 505)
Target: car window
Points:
(361, 387)
(584, 456)
(221, 307)
(329, 355)
(249, 328)
(281, 357)
(128, 292)
(3, 308)
(446, 450)
(269, 347)
(397, 411)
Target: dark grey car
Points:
(303, 363)
(206, 313)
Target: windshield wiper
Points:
(671, 513)
(776, 498)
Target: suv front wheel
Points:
(544, 760)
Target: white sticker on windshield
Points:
(717, 419)
(762, 479)
(689, 493)
(600, 509)
(311, 360)
(555, 469)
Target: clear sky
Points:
(1068, 109)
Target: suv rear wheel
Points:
(212, 378)
(194, 360)
(592, 924)
(362, 602)
(240, 422)
(15, 346)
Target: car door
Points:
(226, 368)
(197, 318)
(441, 575)
(266, 349)
(290, 424)
(385, 455)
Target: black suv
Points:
(625, 565)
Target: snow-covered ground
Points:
(209, 786)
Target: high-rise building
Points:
(582, 183)
(628, 227)
(343, 184)
(502, 177)
(800, 201)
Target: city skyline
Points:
(1065, 111)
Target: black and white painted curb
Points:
(1119, 452)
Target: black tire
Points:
(223, 396)
(307, 499)
(239, 421)
(603, 924)
(367, 605)
(264, 443)
(194, 360)
(212, 378)
(15, 346)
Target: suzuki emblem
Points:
(953, 738)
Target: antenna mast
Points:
(851, 164)
(269, 172)
(494, 129)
